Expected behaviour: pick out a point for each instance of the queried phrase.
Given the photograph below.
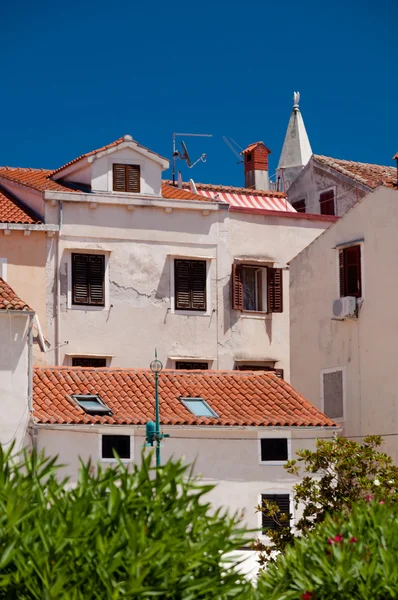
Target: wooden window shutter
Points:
(237, 287)
(275, 290)
(341, 274)
(182, 288)
(80, 285)
(133, 178)
(279, 373)
(96, 279)
(326, 201)
(119, 178)
(352, 271)
(198, 284)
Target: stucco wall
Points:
(314, 179)
(140, 246)
(230, 460)
(364, 347)
(13, 378)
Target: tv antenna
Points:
(184, 155)
(230, 146)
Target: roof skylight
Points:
(198, 407)
(92, 404)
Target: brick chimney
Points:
(255, 159)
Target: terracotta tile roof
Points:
(252, 146)
(13, 211)
(9, 300)
(367, 174)
(38, 179)
(175, 193)
(230, 189)
(121, 140)
(239, 398)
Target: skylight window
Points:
(198, 407)
(92, 404)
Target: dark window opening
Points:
(274, 449)
(248, 156)
(299, 205)
(190, 366)
(118, 443)
(190, 284)
(283, 502)
(249, 292)
(88, 279)
(83, 361)
(126, 178)
(326, 201)
(252, 280)
(350, 272)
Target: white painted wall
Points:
(364, 347)
(140, 246)
(13, 378)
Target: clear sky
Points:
(79, 74)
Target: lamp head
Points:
(156, 366)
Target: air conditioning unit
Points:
(345, 307)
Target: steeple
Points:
(296, 151)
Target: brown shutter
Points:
(275, 290)
(182, 288)
(237, 287)
(326, 201)
(80, 279)
(341, 274)
(198, 285)
(119, 178)
(133, 178)
(352, 268)
(279, 373)
(96, 279)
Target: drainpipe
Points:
(57, 278)
(30, 363)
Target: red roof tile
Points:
(13, 211)
(121, 140)
(175, 193)
(9, 300)
(367, 174)
(38, 179)
(252, 146)
(239, 398)
(230, 189)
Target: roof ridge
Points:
(357, 162)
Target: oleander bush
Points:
(147, 533)
(347, 557)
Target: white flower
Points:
(376, 482)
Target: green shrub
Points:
(349, 556)
(149, 533)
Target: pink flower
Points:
(306, 596)
(338, 538)
(353, 540)
(368, 498)
(381, 502)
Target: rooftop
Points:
(9, 300)
(13, 211)
(238, 398)
(365, 173)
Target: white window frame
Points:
(87, 307)
(116, 431)
(327, 189)
(3, 268)
(270, 435)
(342, 246)
(191, 313)
(275, 491)
(334, 370)
(125, 161)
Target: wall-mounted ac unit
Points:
(345, 307)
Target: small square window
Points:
(92, 404)
(283, 502)
(87, 361)
(257, 288)
(350, 271)
(274, 449)
(115, 443)
(198, 407)
(192, 365)
(190, 285)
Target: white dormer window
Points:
(126, 178)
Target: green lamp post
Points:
(153, 433)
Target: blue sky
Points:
(78, 75)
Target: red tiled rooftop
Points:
(230, 189)
(175, 193)
(9, 300)
(38, 179)
(367, 174)
(13, 211)
(252, 146)
(239, 398)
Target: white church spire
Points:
(296, 151)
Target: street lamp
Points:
(153, 432)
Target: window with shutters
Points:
(283, 503)
(350, 276)
(256, 288)
(190, 285)
(332, 392)
(88, 279)
(326, 202)
(126, 178)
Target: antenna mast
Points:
(176, 154)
